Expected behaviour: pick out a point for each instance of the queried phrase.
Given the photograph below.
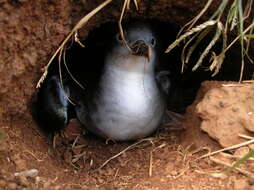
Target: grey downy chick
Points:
(130, 100)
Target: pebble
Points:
(23, 181)
(2, 183)
(241, 184)
(20, 163)
(12, 186)
(242, 151)
(26, 173)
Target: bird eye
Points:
(153, 42)
(119, 38)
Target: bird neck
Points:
(131, 64)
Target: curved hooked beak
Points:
(140, 48)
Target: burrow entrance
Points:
(85, 151)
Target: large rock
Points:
(227, 110)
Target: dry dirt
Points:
(30, 32)
(72, 159)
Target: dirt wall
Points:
(32, 30)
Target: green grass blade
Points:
(251, 36)
(239, 162)
(240, 18)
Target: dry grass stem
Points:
(183, 56)
(250, 27)
(54, 139)
(209, 47)
(125, 6)
(247, 11)
(80, 24)
(39, 160)
(217, 161)
(248, 81)
(201, 36)
(79, 146)
(116, 173)
(78, 157)
(76, 39)
(189, 33)
(135, 2)
(233, 156)
(151, 158)
(196, 18)
(228, 148)
(218, 60)
(75, 141)
(246, 136)
(183, 171)
(126, 149)
(151, 164)
(232, 85)
(67, 68)
(62, 54)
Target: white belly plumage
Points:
(130, 106)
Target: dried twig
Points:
(39, 160)
(125, 6)
(246, 136)
(151, 164)
(123, 151)
(228, 148)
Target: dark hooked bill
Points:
(140, 48)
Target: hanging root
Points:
(80, 24)
(74, 32)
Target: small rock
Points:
(251, 146)
(12, 186)
(67, 156)
(2, 183)
(46, 185)
(26, 173)
(242, 151)
(77, 151)
(174, 173)
(20, 163)
(100, 180)
(23, 181)
(241, 184)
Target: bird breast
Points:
(129, 105)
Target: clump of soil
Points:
(227, 110)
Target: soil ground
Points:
(70, 160)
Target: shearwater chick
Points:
(130, 100)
